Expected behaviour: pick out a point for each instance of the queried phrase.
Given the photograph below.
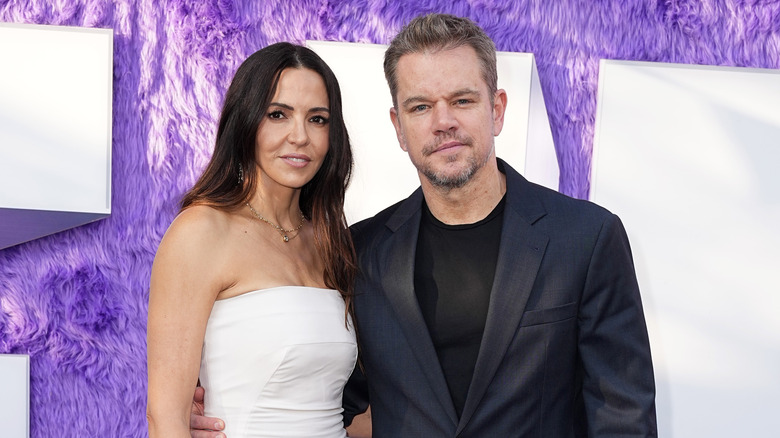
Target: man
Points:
(488, 306)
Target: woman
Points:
(252, 282)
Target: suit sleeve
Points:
(355, 400)
(618, 387)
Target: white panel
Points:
(55, 118)
(688, 156)
(383, 173)
(15, 395)
(541, 162)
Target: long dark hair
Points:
(322, 199)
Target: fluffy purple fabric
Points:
(76, 301)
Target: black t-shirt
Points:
(453, 275)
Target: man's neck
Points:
(470, 203)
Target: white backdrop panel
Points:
(688, 156)
(55, 117)
(383, 173)
(55, 129)
(15, 395)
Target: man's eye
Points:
(463, 101)
(419, 108)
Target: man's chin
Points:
(448, 180)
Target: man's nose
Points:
(444, 117)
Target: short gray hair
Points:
(435, 32)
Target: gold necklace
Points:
(281, 230)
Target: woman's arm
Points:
(182, 292)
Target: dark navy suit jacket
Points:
(564, 353)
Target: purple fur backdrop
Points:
(76, 301)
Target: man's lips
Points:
(448, 146)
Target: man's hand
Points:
(361, 425)
(200, 425)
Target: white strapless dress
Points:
(275, 362)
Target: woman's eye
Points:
(275, 115)
(320, 120)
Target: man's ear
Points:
(397, 125)
(499, 109)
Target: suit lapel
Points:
(398, 256)
(519, 257)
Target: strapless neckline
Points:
(275, 289)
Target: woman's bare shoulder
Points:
(195, 249)
(197, 229)
(202, 217)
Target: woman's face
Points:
(292, 139)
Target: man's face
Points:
(445, 120)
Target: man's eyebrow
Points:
(464, 92)
(459, 93)
(413, 99)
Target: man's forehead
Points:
(442, 74)
(464, 52)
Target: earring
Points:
(240, 175)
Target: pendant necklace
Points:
(284, 232)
